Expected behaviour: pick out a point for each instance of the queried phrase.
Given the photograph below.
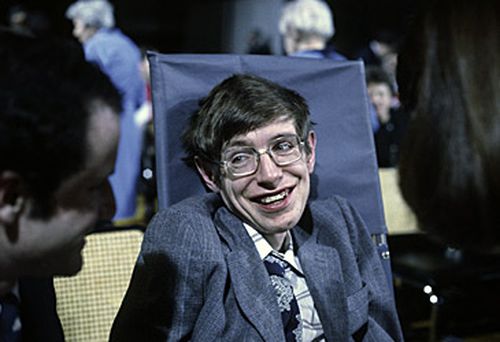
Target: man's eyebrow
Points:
(246, 142)
(239, 142)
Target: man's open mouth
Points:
(273, 198)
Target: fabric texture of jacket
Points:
(199, 277)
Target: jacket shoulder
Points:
(189, 220)
(337, 215)
(332, 206)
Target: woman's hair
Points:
(449, 79)
(238, 105)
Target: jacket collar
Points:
(249, 277)
(323, 271)
(252, 287)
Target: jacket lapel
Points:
(321, 266)
(249, 278)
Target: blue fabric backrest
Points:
(335, 92)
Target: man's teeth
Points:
(274, 198)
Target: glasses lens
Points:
(286, 150)
(240, 161)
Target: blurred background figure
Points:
(392, 120)
(18, 19)
(382, 50)
(258, 43)
(119, 57)
(449, 78)
(27, 21)
(307, 27)
(144, 116)
(147, 193)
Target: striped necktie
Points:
(290, 314)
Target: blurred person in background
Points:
(146, 191)
(382, 51)
(449, 79)
(307, 27)
(25, 20)
(120, 58)
(17, 18)
(392, 120)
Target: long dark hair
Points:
(449, 78)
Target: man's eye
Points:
(240, 158)
(283, 146)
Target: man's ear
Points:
(12, 198)
(206, 173)
(311, 157)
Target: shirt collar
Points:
(264, 248)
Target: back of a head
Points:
(448, 76)
(93, 13)
(47, 92)
(307, 18)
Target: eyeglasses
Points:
(240, 161)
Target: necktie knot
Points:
(275, 265)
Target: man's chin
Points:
(64, 267)
(71, 267)
(70, 272)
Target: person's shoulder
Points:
(199, 206)
(336, 202)
(338, 218)
(331, 53)
(39, 314)
(124, 40)
(399, 114)
(188, 220)
(336, 209)
(112, 37)
(333, 209)
(194, 214)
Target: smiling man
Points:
(254, 260)
(59, 132)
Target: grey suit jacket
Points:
(199, 277)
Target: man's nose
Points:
(269, 173)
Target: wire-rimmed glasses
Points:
(240, 161)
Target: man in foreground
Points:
(254, 261)
(59, 132)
